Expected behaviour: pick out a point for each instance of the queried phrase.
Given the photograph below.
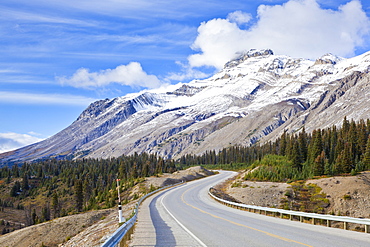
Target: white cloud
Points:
(10, 141)
(131, 75)
(239, 17)
(299, 28)
(218, 40)
(54, 99)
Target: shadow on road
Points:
(164, 234)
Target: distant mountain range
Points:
(254, 98)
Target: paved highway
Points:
(187, 216)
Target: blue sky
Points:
(56, 57)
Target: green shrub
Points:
(347, 197)
(274, 168)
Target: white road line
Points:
(183, 227)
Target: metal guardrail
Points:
(123, 232)
(301, 215)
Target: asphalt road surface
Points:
(187, 216)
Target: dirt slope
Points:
(347, 195)
(53, 232)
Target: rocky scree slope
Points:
(254, 98)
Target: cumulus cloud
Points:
(218, 40)
(299, 28)
(10, 141)
(130, 75)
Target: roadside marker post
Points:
(120, 216)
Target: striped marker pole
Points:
(120, 217)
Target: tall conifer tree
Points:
(316, 145)
(79, 195)
(366, 157)
(283, 144)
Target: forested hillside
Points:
(37, 192)
(302, 155)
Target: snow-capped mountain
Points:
(255, 97)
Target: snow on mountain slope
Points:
(255, 97)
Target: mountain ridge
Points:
(256, 97)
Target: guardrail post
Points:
(313, 221)
(328, 223)
(301, 218)
(290, 217)
(345, 225)
(366, 228)
(281, 215)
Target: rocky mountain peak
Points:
(95, 109)
(242, 56)
(328, 59)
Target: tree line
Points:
(62, 187)
(330, 151)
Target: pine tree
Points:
(145, 171)
(133, 172)
(15, 171)
(319, 164)
(25, 184)
(87, 190)
(345, 129)
(366, 156)
(328, 168)
(303, 145)
(343, 163)
(40, 172)
(45, 212)
(15, 189)
(347, 158)
(353, 141)
(35, 218)
(55, 205)
(122, 170)
(295, 156)
(79, 195)
(362, 137)
(333, 144)
(159, 167)
(289, 146)
(316, 146)
(283, 144)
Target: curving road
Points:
(187, 216)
